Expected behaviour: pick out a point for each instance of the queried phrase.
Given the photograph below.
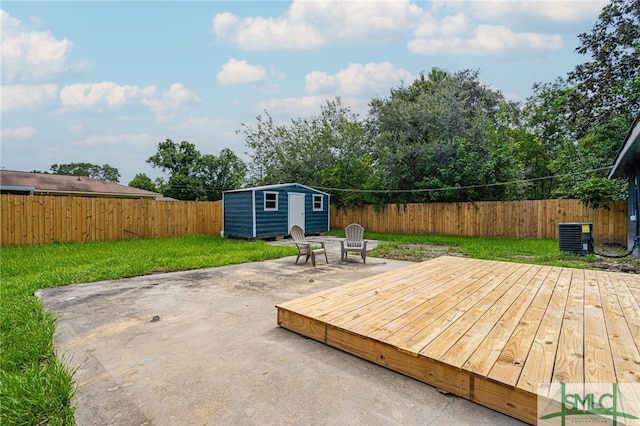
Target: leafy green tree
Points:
(226, 171)
(193, 176)
(181, 161)
(592, 154)
(176, 159)
(546, 119)
(142, 181)
(435, 134)
(598, 192)
(354, 179)
(579, 166)
(608, 86)
(581, 122)
(328, 150)
(104, 172)
(185, 187)
(605, 100)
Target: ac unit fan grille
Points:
(576, 238)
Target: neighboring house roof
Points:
(276, 186)
(50, 184)
(629, 156)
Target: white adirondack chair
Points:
(354, 242)
(304, 247)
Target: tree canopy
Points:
(608, 85)
(142, 181)
(449, 137)
(193, 176)
(104, 172)
(444, 137)
(328, 150)
(436, 133)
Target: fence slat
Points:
(509, 219)
(42, 219)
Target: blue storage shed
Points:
(271, 211)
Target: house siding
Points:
(238, 214)
(627, 164)
(634, 214)
(316, 221)
(271, 223)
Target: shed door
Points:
(296, 209)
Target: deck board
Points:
(540, 361)
(510, 364)
(597, 351)
(568, 367)
(484, 330)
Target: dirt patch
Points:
(618, 267)
(412, 252)
(620, 264)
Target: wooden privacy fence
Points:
(512, 219)
(42, 219)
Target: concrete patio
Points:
(203, 347)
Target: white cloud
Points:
(462, 25)
(312, 24)
(31, 56)
(240, 72)
(21, 133)
(20, 96)
(560, 11)
(88, 95)
(486, 39)
(454, 24)
(374, 21)
(140, 140)
(172, 99)
(358, 79)
(224, 24)
(9, 24)
(265, 34)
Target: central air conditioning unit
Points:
(576, 238)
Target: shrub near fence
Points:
(507, 219)
(42, 219)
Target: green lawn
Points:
(35, 386)
(538, 251)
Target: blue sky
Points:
(104, 82)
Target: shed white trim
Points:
(276, 186)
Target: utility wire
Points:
(394, 191)
(486, 185)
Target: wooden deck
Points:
(484, 330)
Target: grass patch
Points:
(523, 250)
(35, 386)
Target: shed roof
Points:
(276, 186)
(50, 184)
(629, 154)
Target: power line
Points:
(398, 191)
(453, 188)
